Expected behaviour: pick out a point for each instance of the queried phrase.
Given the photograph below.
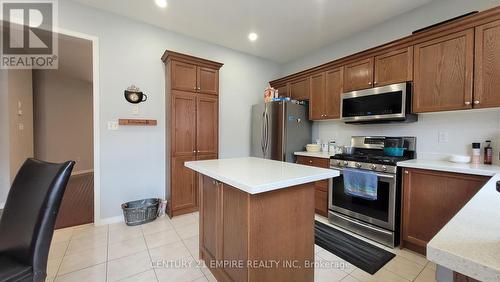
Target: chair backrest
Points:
(29, 216)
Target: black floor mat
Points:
(355, 251)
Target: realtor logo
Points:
(28, 40)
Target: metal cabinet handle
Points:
(310, 161)
(375, 83)
(476, 102)
(467, 103)
(369, 83)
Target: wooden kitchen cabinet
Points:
(443, 70)
(192, 105)
(320, 187)
(430, 199)
(208, 80)
(487, 66)
(299, 89)
(394, 67)
(326, 89)
(317, 106)
(358, 75)
(283, 90)
(183, 123)
(184, 76)
(185, 195)
(207, 125)
(334, 89)
(240, 227)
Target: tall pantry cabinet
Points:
(192, 125)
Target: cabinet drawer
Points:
(317, 162)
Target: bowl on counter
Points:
(459, 159)
(313, 148)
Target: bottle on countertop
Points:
(488, 153)
(476, 153)
(332, 146)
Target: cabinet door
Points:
(299, 89)
(487, 71)
(317, 98)
(183, 124)
(210, 216)
(208, 81)
(283, 90)
(394, 67)
(184, 189)
(430, 200)
(207, 126)
(184, 76)
(443, 73)
(334, 89)
(358, 75)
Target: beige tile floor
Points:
(117, 252)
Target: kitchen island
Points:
(257, 218)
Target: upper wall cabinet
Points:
(192, 78)
(358, 75)
(283, 90)
(326, 88)
(487, 70)
(299, 89)
(394, 67)
(443, 73)
(184, 76)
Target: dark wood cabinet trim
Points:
(462, 24)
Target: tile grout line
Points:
(149, 254)
(421, 271)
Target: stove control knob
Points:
(373, 167)
(358, 165)
(339, 163)
(384, 168)
(346, 163)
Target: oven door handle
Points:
(378, 174)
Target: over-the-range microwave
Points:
(391, 103)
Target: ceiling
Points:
(287, 29)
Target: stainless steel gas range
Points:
(377, 219)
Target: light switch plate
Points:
(443, 137)
(112, 125)
(135, 109)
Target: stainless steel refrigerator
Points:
(279, 129)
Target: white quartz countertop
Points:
(323, 155)
(440, 165)
(255, 175)
(470, 242)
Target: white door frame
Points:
(96, 116)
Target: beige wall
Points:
(20, 118)
(63, 118)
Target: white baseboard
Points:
(2, 205)
(111, 220)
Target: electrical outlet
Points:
(112, 125)
(443, 137)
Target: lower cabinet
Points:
(238, 229)
(184, 196)
(320, 187)
(429, 200)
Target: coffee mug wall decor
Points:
(134, 95)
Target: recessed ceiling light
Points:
(161, 3)
(252, 36)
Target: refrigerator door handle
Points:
(263, 134)
(267, 131)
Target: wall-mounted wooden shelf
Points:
(140, 122)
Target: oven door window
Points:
(372, 105)
(378, 209)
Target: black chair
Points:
(28, 220)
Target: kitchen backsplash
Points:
(438, 134)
